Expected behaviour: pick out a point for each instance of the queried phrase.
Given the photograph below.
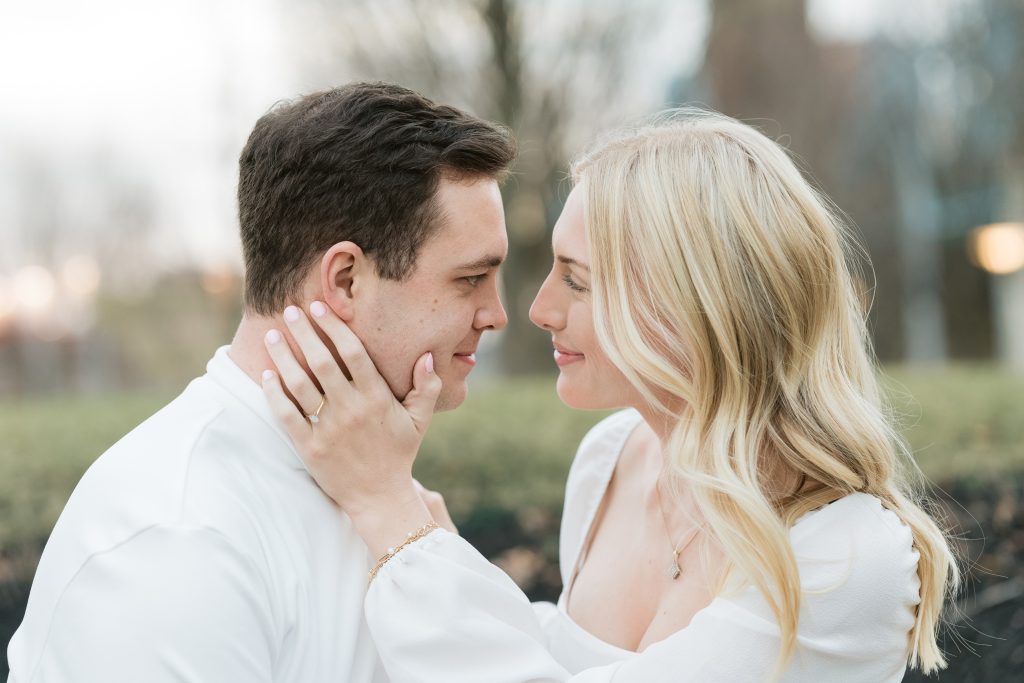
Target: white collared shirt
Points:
(199, 549)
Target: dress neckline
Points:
(628, 428)
(602, 491)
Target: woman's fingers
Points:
(294, 422)
(319, 358)
(350, 348)
(294, 377)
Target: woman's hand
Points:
(362, 442)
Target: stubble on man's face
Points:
(409, 320)
(448, 301)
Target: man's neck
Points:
(248, 350)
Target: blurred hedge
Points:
(501, 459)
(508, 449)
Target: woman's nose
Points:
(545, 311)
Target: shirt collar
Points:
(228, 376)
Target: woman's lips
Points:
(563, 358)
(469, 358)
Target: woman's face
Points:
(563, 307)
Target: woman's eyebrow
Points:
(573, 262)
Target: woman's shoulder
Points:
(858, 552)
(600, 449)
(607, 437)
(856, 516)
(601, 446)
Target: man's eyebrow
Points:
(573, 262)
(483, 263)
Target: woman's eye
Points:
(567, 279)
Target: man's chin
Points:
(450, 398)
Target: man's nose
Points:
(492, 316)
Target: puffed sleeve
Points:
(439, 612)
(170, 604)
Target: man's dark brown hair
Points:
(362, 163)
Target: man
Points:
(198, 548)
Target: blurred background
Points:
(120, 126)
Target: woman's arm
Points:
(440, 612)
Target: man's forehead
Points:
(483, 245)
(470, 229)
(446, 252)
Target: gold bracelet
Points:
(409, 538)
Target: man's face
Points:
(448, 302)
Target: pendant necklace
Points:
(674, 571)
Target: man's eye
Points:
(474, 280)
(567, 279)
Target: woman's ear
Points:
(340, 267)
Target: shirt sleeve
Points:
(170, 604)
(440, 612)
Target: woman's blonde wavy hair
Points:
(723, 281)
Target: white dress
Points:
(439, 612)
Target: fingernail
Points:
(273, 336)
(430, 362)
(291, 314)
(268, 374)
(318, 309)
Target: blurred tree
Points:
(763, 65)
(860, 118)
(985, 91)
(888, 143)
(917, 138)
(89, 204)
(980, 141)
(555, 73)
(80, 221)
(947, 114)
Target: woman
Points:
(746, 519)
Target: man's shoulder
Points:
(148, 466)
(179, 465)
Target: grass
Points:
(963, 421)
(508, 448)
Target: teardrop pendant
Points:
(673, 570)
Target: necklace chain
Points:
(674, 570)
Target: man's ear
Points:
(340, 269)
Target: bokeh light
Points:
(35, 291)
(998, 247)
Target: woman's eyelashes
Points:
(573, 285)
